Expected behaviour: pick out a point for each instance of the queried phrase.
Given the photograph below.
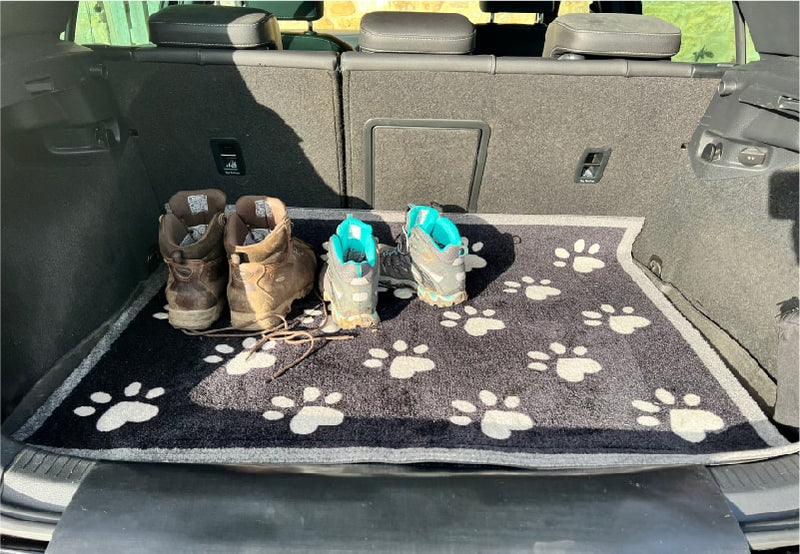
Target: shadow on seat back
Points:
(302, 11)
(278, 110)
(514, 39)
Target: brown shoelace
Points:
(286, 332)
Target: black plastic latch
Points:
(228, 156)
(592, 164)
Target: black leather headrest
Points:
(492, 6)
(416, 33)
(204, 26)
(612, 35)
(291, 11)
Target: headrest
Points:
(518, 7)
(612, 35)
(416, 33)
(291, 11)
(214, 27)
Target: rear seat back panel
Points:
(397, 151)
(282, 107)
(370, 95)
(535, 151)
(542, 115)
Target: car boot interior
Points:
(596, 155)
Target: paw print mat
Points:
(565, 355)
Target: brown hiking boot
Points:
(268, 268)
(190, 240)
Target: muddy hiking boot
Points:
(429, 256)
(190, 241)
(350, 280)
(269, 269)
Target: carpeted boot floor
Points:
(565, 355)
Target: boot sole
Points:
(396, 283)
(249, 321)
(195, 320)
(430, 297)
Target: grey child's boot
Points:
(430, 256)
(350, 281)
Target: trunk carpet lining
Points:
(565, 355)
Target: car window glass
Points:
(114, 23)
(345, 15)
(706, 27)
(125, 23)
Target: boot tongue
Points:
(197, 207)
(261, 217)
(260, 212)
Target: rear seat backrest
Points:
(282, 108)
(611, 35)
(416, 33)
(416, 129)
(195, 25)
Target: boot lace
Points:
(286, 331)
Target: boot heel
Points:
(441, 301)
(359, 320)
(195, 319)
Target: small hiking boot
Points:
(190, 241)
(269, 269)
(430, 256)
(350, 281)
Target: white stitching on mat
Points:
(348, 455)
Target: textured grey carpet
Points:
(564, 356)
